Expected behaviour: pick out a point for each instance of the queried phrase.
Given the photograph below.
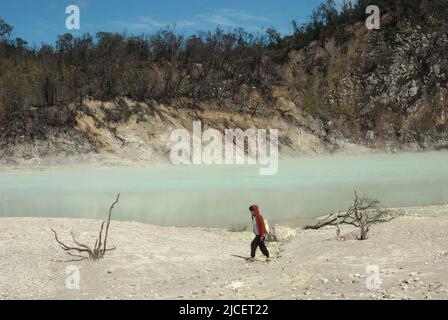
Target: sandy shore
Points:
(153, 262)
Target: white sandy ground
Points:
(153, 262)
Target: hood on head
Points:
(255, 208)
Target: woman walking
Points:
(260, 233)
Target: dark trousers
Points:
(257, 242)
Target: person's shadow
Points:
(241, 257)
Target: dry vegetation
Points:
(362, 214)
(228, 68)
(99, 249)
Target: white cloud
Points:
(232, 18)
(147, 23)
(221, 17)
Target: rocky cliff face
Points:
(406, 92)
(128, 131)
(383, 90)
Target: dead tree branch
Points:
(362, 214)
(100, 247)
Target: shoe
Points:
(268, 259)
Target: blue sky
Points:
(40, 21)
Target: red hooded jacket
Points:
(260, 221)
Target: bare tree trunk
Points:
(363, 213)
(100, 247)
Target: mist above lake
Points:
(220, 195)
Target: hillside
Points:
(331, 86)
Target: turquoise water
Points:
(221, 195)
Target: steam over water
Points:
(221, 195)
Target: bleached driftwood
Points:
(363, 213)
